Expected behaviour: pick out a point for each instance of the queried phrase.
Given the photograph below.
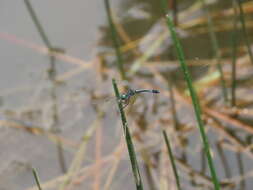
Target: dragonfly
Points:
(125, 97)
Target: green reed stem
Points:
(36, 178)
(172, 159)
(224, 160)
(174, 7)
(37, 24)
(195, 101)
(216, 51)
(164, 6)
(244, 30)
(40, 29)
(115, 40)
(241, 169)
(235, 39)
(55, 117)
(203, 161)
(52, 75)
(130, 146)
(171, 5)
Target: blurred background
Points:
(57, 112)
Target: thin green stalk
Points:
(241, 170)
(224, 160)
(244, 30)
(235, 37)
(130, 146)
(172, 6)
(37, 23)
(55, 128)
(36, 178)
(203, 161)
(115, 40)
(172, 159)
(216, 51)
(52, 75)
(164, 6)
(195, 102)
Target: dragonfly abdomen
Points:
(146, 90)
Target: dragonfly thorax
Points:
(127, 95)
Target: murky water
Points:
(24, 84)
(80, 28)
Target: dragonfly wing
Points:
(107, 104)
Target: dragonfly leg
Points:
(126, 102)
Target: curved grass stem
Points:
(216, 51)
(130, 146)
(195, 102)
(36, 178)
(115, 40)
(172, 160)
(244, 29)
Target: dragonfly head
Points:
(123, 96)
(127, 95)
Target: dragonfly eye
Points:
(123, 97)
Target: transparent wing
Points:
(109, 102)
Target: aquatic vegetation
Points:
(183, 121)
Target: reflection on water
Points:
(89, 134)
